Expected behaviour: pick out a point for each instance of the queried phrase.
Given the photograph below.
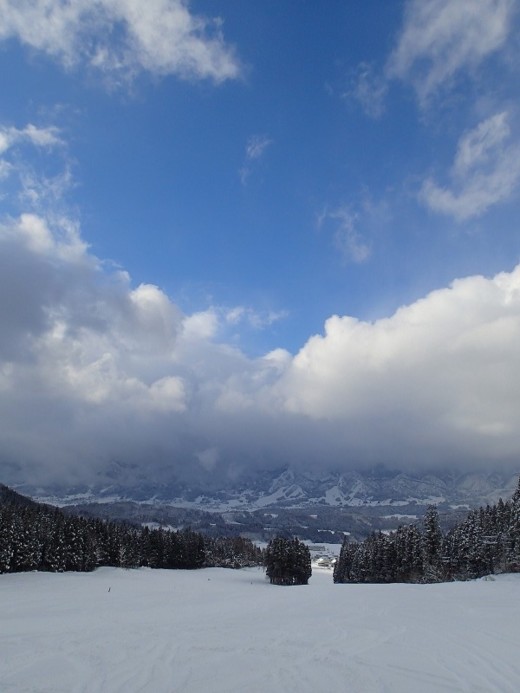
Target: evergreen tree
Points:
(288, 562)
(38, 537)
(432, 544)
(343, 565)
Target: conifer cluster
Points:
(288, 562)
(486, 542)
(39, 537)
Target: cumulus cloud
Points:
(440, 39)
(120, 38)
(435, 382)
(97, 374)
(94, 371)
(486, 171)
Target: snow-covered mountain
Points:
(316, 507)
(290, 488)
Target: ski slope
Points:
(224, 631)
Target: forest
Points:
(34, 536)
(487, 541)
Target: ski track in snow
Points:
(224, 631)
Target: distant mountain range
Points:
(290, 488)
(317, 507)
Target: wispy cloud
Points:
(258, 320)
(369, 89)
(255, 149)
(485, 171)
(30, 187)
(120, 38)
(441, 39)
(347, 238)
(441, 42)
(256, 146)
(39, 137)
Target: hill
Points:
(10, 497)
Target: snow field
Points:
(224, 631)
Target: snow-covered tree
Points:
(288, 562)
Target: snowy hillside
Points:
(223, 631)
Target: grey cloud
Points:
(95, 373)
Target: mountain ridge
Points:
(295, 489)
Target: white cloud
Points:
(255, 150)
(34, 189)
(347, 238)
(5, 169)
(369, 89)
(39, 137)
(93, 370)
(441, 39)
(258, 320)
(60, 239)
(486, 171)
(37, 190)
(202, 325)
(256, 146)
(122, 37)
(437, 380)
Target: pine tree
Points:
(288, 562)
(6, 539)
(343, 566)
(432, 544)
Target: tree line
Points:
(486, 542)
(34, 536)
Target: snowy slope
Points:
(223, 631)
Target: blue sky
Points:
(244, 172)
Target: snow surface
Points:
(224, 631)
